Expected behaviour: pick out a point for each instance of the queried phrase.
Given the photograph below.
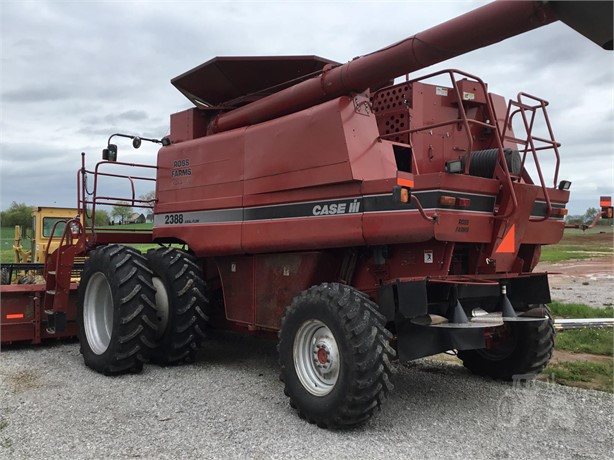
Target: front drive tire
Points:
(181, 305)
(335, 356)
(116, 310)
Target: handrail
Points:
(97, 200)
(67, 236)
(466, 122)
(522, 107)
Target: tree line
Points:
(21, 214)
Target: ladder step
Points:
(52, 292)
(52, 273)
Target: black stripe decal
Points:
(344, 206)
(540, 207)
(429, 200)
(308, 209)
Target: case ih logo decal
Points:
(336, 208)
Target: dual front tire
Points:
(133, 309)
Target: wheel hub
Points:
(316, 357)
(322, 355)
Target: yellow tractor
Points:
(48, 225)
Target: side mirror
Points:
(136, 142)
(110, 153)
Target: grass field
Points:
(592, 349)
(7, 239)
(576, 244)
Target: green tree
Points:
(122, 210)
(149, 196)
(102, 218)
(589, 215)
(17, 214)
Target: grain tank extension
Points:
(361, 220)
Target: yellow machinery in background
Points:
(28, 265)
(43, 221)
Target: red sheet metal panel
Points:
(21, 316)
(280, 277)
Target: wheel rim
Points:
(162, 305)
(316, 358)
(98, 313)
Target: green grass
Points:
(119, 228)
(576, 244)
(581, 370)
(559, 253)
(7, 239)
(593, 341)
(583, 374)
(575, 310)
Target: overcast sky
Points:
(74, 72)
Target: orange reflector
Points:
(445, 200)
(15, 316)
(404, 195)
(409, 183)
(559, 211)
(508, 244)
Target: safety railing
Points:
(88, 200)
(528, 107)
(465, 123)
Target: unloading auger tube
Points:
(479, 28)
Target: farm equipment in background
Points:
(28, 264)
(357, 218)
(22, 318)
(606, 212)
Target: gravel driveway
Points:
(589, 282)
(230, 404)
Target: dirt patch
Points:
(560, 356)
(590, 282)
(21, 381)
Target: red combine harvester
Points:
(359, 219)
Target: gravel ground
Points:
(230, 404)
(590, 282)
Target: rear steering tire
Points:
(335, 356)
(116, 310)
(181, 305)
(525, 349)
